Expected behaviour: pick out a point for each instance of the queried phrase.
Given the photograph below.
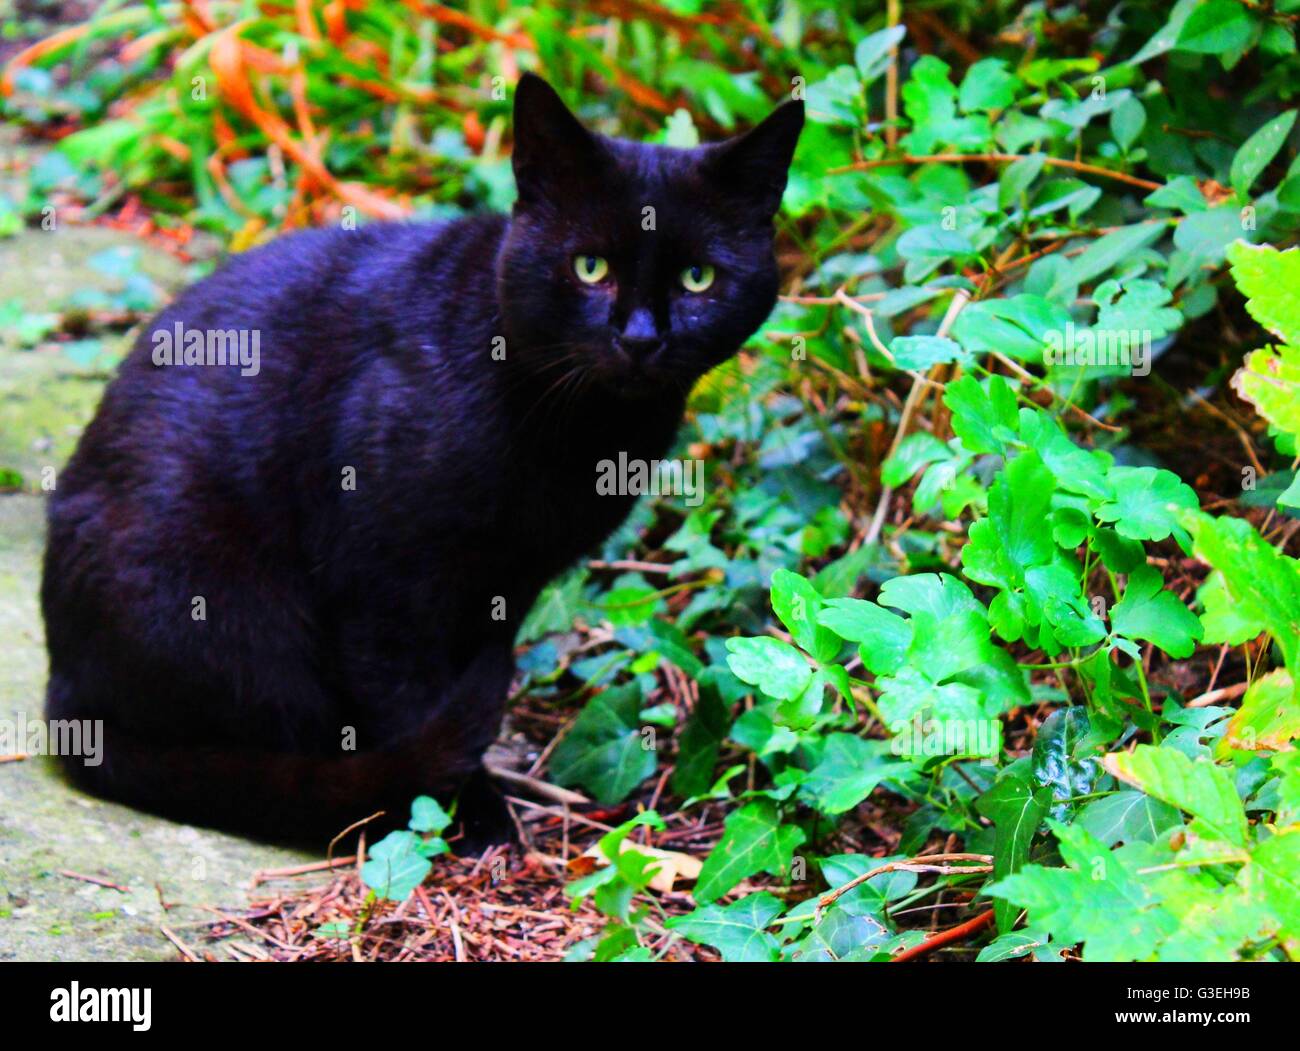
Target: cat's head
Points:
(637, 267)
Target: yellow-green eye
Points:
(697, 278)
(591, 269)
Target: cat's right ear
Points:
(553, 153)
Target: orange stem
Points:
(952, 934)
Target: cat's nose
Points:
(639, 339)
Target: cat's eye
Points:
(697, 278)
(591, 269)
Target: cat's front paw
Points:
(483, 816)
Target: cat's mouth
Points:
(633, 375)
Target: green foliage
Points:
(989, 649)
(399, 862)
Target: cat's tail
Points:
(284, 797)
(288, 798)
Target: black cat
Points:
(289, 584)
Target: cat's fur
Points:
(330, 610)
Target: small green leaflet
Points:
(918, 353)
(984, 420)
(872, 55)
(1105, 253)
(1258, 150)
(798, 604)
(1147, 611)
(395, 866)
(1146, 503)
(775, 667)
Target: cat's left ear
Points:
(755, 164)
(554, 154)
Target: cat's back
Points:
(259, 368)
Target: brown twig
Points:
(1223, 693)
(185, 950)
(628, 565)
(265, 875)
(95, 880)
(924, 863)
(538, 787)
(329, 851)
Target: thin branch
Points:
(996, 158)
(924, 863)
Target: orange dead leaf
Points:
(669, 865)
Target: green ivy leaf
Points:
(1097, 900)
(1196, 786)
(1016, 807)
(1215, 27)
(738, 930)
(1128, 817)
(396, 866)
(604, 751)
(701, 739)
(427, 815)
(1063, 759)
(753, 841)
(849, 770)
